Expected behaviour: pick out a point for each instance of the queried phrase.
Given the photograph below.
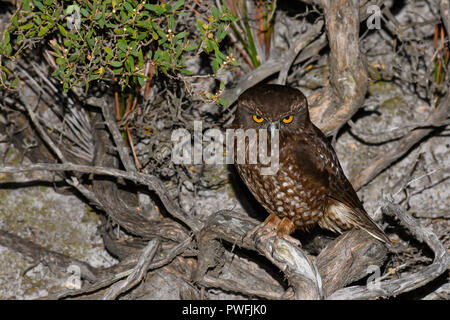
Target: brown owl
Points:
(310, 186)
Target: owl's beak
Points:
(273, 126)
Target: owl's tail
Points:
(340, 217)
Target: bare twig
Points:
(293, 52)
(384, 161)
(138, 272)
(241, 288)
(272, 66)
(122, 270)
(120, 144)
(152, 182)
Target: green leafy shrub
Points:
(98, 40)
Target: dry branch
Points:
(152, 182)
(293, 52)
(348, 73)
(138, 272)
(275, 64)
(123, 269)
(404, 145)
(120, 145)
(354, 252)
(416, 280)
(300, 269)
(48, 257)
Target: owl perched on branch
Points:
(309, 188)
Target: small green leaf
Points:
(109, 53)
(102, 22)
(181, 35)
(186, 72)
(14, 83)
(8, 49)
(178, 4)
(223, 102)
(155, 8)
(62, 30)
(129, 64)
(39, 5)
(115, 64)
(27, 26)
(200, 26)
(15, 21)
(140, 59)
(26, 5)
(141, 81)
(128, 6)
(73, 36)
(6, 37)
(190, 47)
(84, 12)
(94, 77)
(42, 31)
(215, 12)
(122, 44)
(172, 22)
(221, 35)
(215, 65)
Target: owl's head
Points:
(272, 106)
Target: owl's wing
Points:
(317, 159)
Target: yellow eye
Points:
(288, 119)
(257, 118)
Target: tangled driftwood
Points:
(195, 251)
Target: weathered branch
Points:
(152, 182)
(345, 260)
(123, 151)
(354, 252)
(348, 72)
(293, 52)
(275, 64)
(49, 257)
(138, 273)
(416, 280)
(284, 253)
(123, 269)
(404, 145)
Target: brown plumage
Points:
(310, 186)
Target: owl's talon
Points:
(285, 228)
(272, 226)
(267, 227)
